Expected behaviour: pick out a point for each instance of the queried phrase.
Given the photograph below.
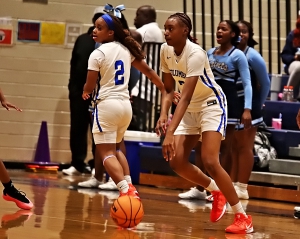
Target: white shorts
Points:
(212, 116)
(112, 117)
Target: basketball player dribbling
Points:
(113, 112)
(201, 114)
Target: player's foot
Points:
(218, 206)
(193, 193)
(133, 192)
(297, 212)
(242, 224)
(109, 185)
(18, 197)
(90, 183)
(71, 171)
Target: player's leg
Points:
(197, 192)
(244, 142)
(10, 193)
(226, 148)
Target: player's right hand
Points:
(176, 97)
(85, 95)
(161, 124)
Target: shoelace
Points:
(20, 193)
(238, 221)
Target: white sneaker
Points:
(109, 185)
(193, 193)
(71, 171)
(90, 183)
(110, 195)
(193, 205)
(210, 198)
(242, 194)
(297, 212)
(90, 192)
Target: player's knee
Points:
(175, 165)
(210, 163)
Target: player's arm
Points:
(195, 68)
(166, 100)
(243, 67)
(94, 64)
(150, 73)
(186, 96)
(259, 67)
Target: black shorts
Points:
(234, 107)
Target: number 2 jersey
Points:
(193, 61)
(113, 61)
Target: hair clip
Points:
(108, 8)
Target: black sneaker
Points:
(18, 197)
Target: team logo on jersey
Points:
(211, 102)
(178, 73)
(219, 65)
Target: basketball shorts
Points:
(112, 117)
(212, 116)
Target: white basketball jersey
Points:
(113, 61)
(193, 61)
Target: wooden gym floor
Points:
(64, 212)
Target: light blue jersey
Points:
(229, 67)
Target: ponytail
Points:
(124, 37)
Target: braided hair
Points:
(185, 19)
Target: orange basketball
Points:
(127, 211)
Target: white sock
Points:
(238, 208)
(212, 186)
(128, 178)
(123, 186)
(242, 186)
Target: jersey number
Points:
(119, 76)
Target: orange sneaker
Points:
(133, 192)
(242, 224)
(218, 206)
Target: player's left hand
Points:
(246, 119)
(8, 105)
(168, 147)
(85, 95)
